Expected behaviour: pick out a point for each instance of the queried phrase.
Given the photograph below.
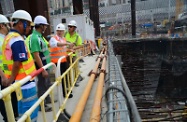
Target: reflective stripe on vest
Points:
(1, 57)
(26, 67)
(43, 48)
(57, 52)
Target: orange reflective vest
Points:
(26, 67)
(57, 52)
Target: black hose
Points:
(124, 95)
(67, 114)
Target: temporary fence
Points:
(69, 78)
(5, 94)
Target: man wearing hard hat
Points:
(40, 52)
(4, 29)
(18, 62)
(73, 37)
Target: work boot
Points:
(49, 101)
(80, 78)
(70, 96)
(81, 60)
(47, 108)
(76, 85)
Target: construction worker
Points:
(58, 48)
(4, 29)
(18, 62)
(73, 37)
(41, 55)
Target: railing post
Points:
(59, 87)
(43, 111)
(71, 71)
(9, 109)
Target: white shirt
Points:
(53, 42)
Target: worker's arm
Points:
(15, 70)
(65, 44)
(54, 43)
(1, 73)
(39, 63)
(3, 78)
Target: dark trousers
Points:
(63, 67)
(14, 105)
(43, 85)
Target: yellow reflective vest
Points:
(26, 67)
(1, 57)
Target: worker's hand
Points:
(72, 50)
(71, 45)
(45, 74)
(6, 82)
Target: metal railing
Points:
(69, 78)
(5, 94)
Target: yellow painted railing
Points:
(70, 77)
(5, 93)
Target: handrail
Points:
(72, 70)
(5, 93)
(96, 108)
(50, 90)
(82, 102)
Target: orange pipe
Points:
(76, 117)
(96, 110)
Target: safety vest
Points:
(1, 57)
(57, 52)
(29, 37)
(26, 67)
(73, 40)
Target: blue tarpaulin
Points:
(147, 25)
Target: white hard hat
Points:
(72, 23)
(22, 14)
(40, 20)
(3, 19)
(60, 27)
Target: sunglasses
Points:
(70, 26)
